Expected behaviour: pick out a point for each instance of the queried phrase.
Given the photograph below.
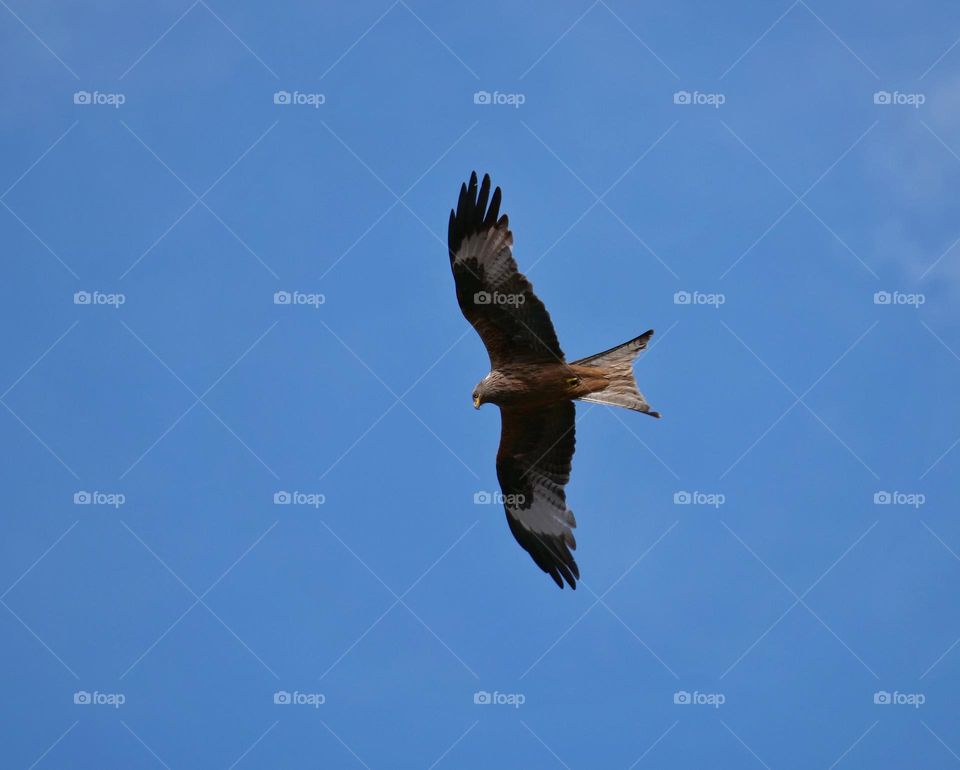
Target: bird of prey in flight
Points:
(530, 380)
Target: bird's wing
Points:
(496, 298)
(533, 466)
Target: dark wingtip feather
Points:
(462, 200)
(481, 205)
(494, 211)
(473, 213)
(552, 557)
(567, 574)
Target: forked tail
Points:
(616, 385)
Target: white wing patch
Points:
(547, 513)
(491, 250)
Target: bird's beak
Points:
(476, 402)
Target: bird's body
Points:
(530, 385)
(534, 385)
(530, 380)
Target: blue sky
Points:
(771, 187)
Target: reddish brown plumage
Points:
(530, 380)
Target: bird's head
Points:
(483, 391)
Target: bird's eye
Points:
(475, 396)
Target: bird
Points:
(530, 380)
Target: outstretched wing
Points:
(495, 297)
(533, 466)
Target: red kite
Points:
(530, 380)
